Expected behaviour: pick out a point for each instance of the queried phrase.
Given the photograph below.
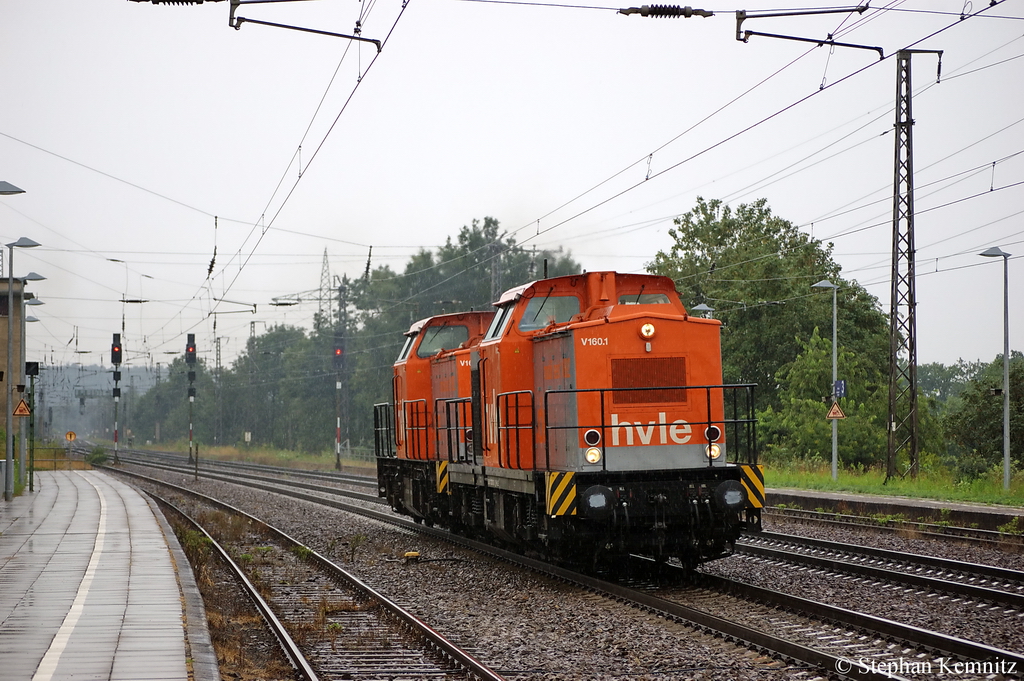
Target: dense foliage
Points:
(754, 268)
(757, 270)
(281, 389)
(973, 423)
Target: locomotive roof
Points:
(514, 294)
(418, 325)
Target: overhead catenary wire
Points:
(253, 262)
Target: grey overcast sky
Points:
(131, 126)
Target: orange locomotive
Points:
(588, 419)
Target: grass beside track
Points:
(276, 457)
(930, 484)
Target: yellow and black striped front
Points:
(442, 477)
(561, 493)
(752, 477)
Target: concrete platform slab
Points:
(93, 585)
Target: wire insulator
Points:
(661, 11)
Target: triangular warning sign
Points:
(22, 409)
(835, 412)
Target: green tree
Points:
(281, 388)
(798, 427)
(165, 407)
(974, 425)
(943, 385)
(756, 270)
(466, 273)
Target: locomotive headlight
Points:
(714, 452)
(647, 331)
(593, 455)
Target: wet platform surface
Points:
(88, 586)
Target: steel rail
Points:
(952, 645)
(947, 564)
(748, 636)
(288, 645)
(414, 624)
(1004, 598)
(341, 478)
(235, 475)
(930, 530)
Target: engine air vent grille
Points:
(648, 372)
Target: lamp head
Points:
(995, 252)
(824, 283)
(23, 242)
(8, 189)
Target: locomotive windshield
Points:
(439, 338)
(544, 310)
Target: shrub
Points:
(97, 457)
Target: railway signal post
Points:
(115, 359)
(190, 360)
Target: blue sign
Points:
(839, 389)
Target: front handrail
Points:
(457, 428)
(415, 426)
(512, 429)
(383, 429)
(743, 427)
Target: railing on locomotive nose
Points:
(743, 430)
(454, 429)
(383, 443)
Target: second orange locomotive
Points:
(584, 417)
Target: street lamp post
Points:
(23, 242)
(26, 441)
(26, 300)
(825, 283)
(996, 252)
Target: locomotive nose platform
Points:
(93, 585)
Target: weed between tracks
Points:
(245, 650)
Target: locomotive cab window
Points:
(404, 354)
(499, 323)
(544, 310)
(439, 338)
(644, 299)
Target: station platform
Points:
(960, 513)
(93, 585)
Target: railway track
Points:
(846, 638)
(980, 583)
(146, 457)
(810, 633)
(989, 538)
(330, 624)
(277, 476)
